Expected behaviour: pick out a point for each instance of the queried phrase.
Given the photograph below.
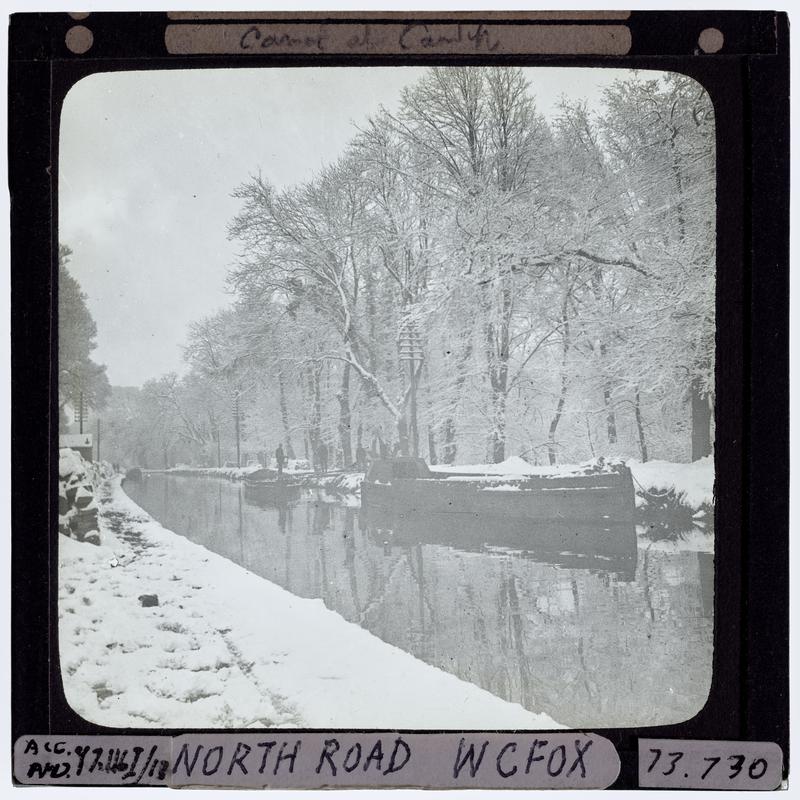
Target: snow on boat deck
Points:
(693, 483)
(226, 648)
(511, 466)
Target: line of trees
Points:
(82, 383)
(468, 281)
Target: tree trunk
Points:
(611, 417)
(402, 434)
(285, 414)
(498, 343)
(701, 421)
(589, 437)
(498, 439)
(412, 412)
(369, 291)
(637, 410)
(344, 417)
(431, 446)
(317, 416)
(551, 446)
(314, 399)
(562, 397)
(450, 446)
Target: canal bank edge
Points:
(202, 655)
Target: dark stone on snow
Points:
(93, 537)
(82, 502)
(148, 600)
(82, 522)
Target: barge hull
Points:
(590, 499)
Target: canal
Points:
(592, 642)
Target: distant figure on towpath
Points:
(280, 459)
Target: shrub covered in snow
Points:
(689, 485)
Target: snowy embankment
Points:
(232, 473)
(346, 483)
(691, 484)
(225, 648)
(77, 509)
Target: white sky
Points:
(148, 161)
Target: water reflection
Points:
(608, 547)
(592, 640)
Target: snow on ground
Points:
(692, 483)
(226, 648)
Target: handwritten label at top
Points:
(412, 38)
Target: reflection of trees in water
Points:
(350, 555)
(586, 647)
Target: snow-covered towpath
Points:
(226, 648)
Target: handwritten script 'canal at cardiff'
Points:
(396, 39)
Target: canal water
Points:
(593, 642)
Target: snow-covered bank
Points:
(77, 509)
(226, 648)
(232, 473)
(346, 483)
(692, 484)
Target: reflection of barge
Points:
(604, 546)
(594, 494)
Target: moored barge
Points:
(269, 485)
(600, 492)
